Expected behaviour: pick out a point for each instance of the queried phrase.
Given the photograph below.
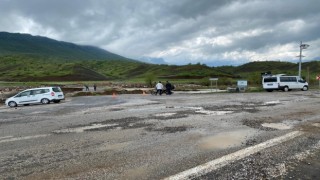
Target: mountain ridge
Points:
(18, 43)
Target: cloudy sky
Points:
(212, 32)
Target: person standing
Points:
(87, 87)
(168, 88)
(94, 87)
(159, 88)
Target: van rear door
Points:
(270, 83)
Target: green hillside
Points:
(24, 57)
(25, 44)
(33, 58)
(252, 71)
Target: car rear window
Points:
(56, 89)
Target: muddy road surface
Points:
(184, 136)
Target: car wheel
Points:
(305, 88)
(286, 89)
(12, 104)
(45, 101)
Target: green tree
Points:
(149, 79)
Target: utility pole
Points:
(302, 46)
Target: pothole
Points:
(169, 129)
(165, 114)
(224, 140)
(217, 113)
(279, 126)
(270, 103)
(316, 124)
(84, 128)
(201, 110)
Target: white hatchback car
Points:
(43, 95)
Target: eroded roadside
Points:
(153, 137)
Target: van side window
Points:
(288, 79)
(35, 92)
(44, 91)
(26, 93)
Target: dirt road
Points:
(156, 137)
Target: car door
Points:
(294, 82)
(35, 95)
(23, 97)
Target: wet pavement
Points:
(142, 136)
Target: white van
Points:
(283, 82)
(43, 95)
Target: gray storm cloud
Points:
(179, 32)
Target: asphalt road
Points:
(243, 136)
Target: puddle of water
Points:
(118, 146)
(38, 112)
(207, 112)
(224, 140)
(316, 124)
(213, 112)
(279, 126)
(10, 139)
(165, 114)
(272, 102)
(6, 137)
(82, 129)
(136, 173)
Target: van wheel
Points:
(286, 89)
(12, 104)
(45, 101)
(305, 88)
